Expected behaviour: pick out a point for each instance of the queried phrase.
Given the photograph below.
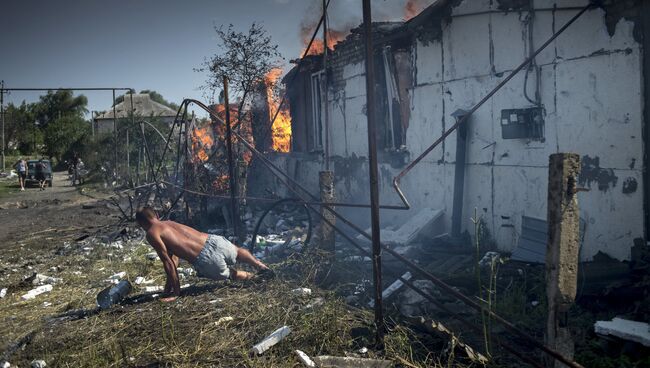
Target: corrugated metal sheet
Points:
(533, 239)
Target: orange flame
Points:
(281, 129)
(202, 142)
(333, 37)
(413, 8)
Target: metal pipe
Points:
(374, 172)
(234, 210)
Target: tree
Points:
(55, 105)
(20, 131)
(246, 59)
(64, 135)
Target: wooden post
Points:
(562, 251)
(326, 183)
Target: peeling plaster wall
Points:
(590, 86)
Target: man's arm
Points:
(172, 286)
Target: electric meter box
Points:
(526, 123)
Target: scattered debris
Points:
(38, 364)
(111, 295)
(488, 259)
(326, 361)
(305, 359)
(274, 338)
(301, 291)
(423, 225)
(5, 364)
(38, 279)
(3, 293)
(152, 256)
(115, 279)
(153, 289)
(625, 329)
(392, 288)
(224, 320)
(38, 291)
(363, 350)
(315, 303)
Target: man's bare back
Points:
(178, 239)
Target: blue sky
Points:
(145, 44)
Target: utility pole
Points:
(2, 117)
(234, 203)
(374, 173)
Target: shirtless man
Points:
(211, 255)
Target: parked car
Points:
(31, 172)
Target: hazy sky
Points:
(145, 44)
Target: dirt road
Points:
(58, 208)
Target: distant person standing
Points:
(21, 169)
(39, 173)
(75, 169)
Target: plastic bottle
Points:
(111, 295)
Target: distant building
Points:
(144, 107)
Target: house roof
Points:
(143, 105)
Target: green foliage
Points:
(55, 105)
(64, 135)
(20, 130)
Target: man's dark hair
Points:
(145, 215)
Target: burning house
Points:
(582, 94)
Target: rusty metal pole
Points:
(326, 114)
(374, 173)
(234, 210)
(562, 252)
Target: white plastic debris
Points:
(363, 350)
(274, 338)
(186, 271)
(224, 320)
(625, 329)
(305, 359)
(114, 279)
(139, 280)
(44, 279)
(153, 289)
(38, 291)
(301, 291)
(3, 293)
(5, 364)
(151, 256)
(38, 364)
(46, 304)
(214, 301)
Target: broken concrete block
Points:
(305, 359)
(625, 329)
(324, 361)
(38, 291)
(301, 291)
(274, 338)
(392, 288)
